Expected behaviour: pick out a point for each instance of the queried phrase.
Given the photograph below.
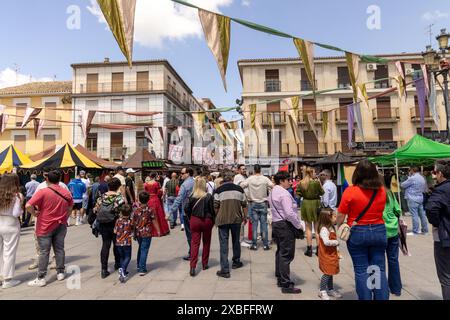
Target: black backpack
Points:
(107, 213)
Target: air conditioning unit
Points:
(409, 71)
(371, 66)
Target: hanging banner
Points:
(358, 118)
(351, 121)
(86, 120)
(311, 124)
(325, 123)
(401, 70)
(38, 125)
(175, 153)
(292, 107)
(148, 134)
(120, 15)
(199, 119)
(432, 103)
(362, 94)
(252, 115)
(353, 71)
(197, 155)
(226, 155)
(306, 51)
(217, 30)
(3, 122)
(421, 96)
(30, 114)
(425, 78)
(294, 130)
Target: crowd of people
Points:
(120, 210)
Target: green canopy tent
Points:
(419, 151)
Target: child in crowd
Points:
(124, 231)
(328, 254)
(145, 225)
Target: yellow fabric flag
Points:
(292, 105)
(199, 119)
(325, 123)
(353, 71)
(294, 130)
(120, 16)
(306, 51)
(362, 94)
(217, 30)
(252, 115)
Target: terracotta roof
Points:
(51, 87)
(328, 57)
(135, 160)
(93, 157)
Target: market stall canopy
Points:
(135, 160)
(418, 151)
(93, 157)
(66, 157)
(10, 158)
(337, 158)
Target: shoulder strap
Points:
(59, 194)
(367, 207)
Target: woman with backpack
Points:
(107, 210)
(200, 210)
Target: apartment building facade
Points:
(388, 123)
(149, 86)
(55, 99)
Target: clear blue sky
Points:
(34, 35)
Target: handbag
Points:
(344, 229)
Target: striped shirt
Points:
(230, 200)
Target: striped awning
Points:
(10, 158)
(66, 157)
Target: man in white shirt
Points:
(121, 176)
(329, 198)
(258, 187)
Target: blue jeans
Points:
(224, 234)
(367, 247)
(394, 278)
(125, 256)
(173, 218)
(144, 246)
(417, 212)
(259, 213)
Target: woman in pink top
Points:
(10, 209)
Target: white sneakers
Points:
(182, 227)
(60, 276)
(79, 221)
(325, 295)
(10, 283)
(245, 244)
(37, 283)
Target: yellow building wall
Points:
(62, 131)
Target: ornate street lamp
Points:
(437, 64)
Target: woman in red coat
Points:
(153, 188)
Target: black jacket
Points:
(438, 211)
(204, 208)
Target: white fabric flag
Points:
(432, 102)
(358, 119)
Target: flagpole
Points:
(398, 184)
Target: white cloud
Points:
(8, 78)
(161, 20)
(435, 15)
(245, 3)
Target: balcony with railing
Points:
(172, 121)
(303, 117)
(341, 116)
(48, 124)
(384, 84)
(343, 83)
(279, 118)
(272, 85)
(121, 118)
(386, 115)
(305, 85)
(415, 115)
(115, 87)
(313, 148)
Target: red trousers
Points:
(200, 229)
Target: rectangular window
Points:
(311, 143)
(117, 147)
(117, 82)
(20, 142)
(50, 114)
(49, 140)
(275, 109)
(141, 140)
(343, 103)
(91, 142)
(92, 82)
(386, 135)
(142, 81)
(117, 105)
(272, 83)
(20, 113)
(309, 106)
(382, 72)
(384, 108)
(343, 77)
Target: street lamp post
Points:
(438, 65)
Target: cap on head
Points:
(131, 170)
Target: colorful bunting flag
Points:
(38, 125)
(350, 124)
(306, 51)
(30, 114)
(402, 86)
(217, 30)
(421, 96)
(86, 119)
(3, 122)
(120, 16)
(358, 118)
(353, 71)
(292, 107)
(252, 115)
(325, 123)
(362, 94)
